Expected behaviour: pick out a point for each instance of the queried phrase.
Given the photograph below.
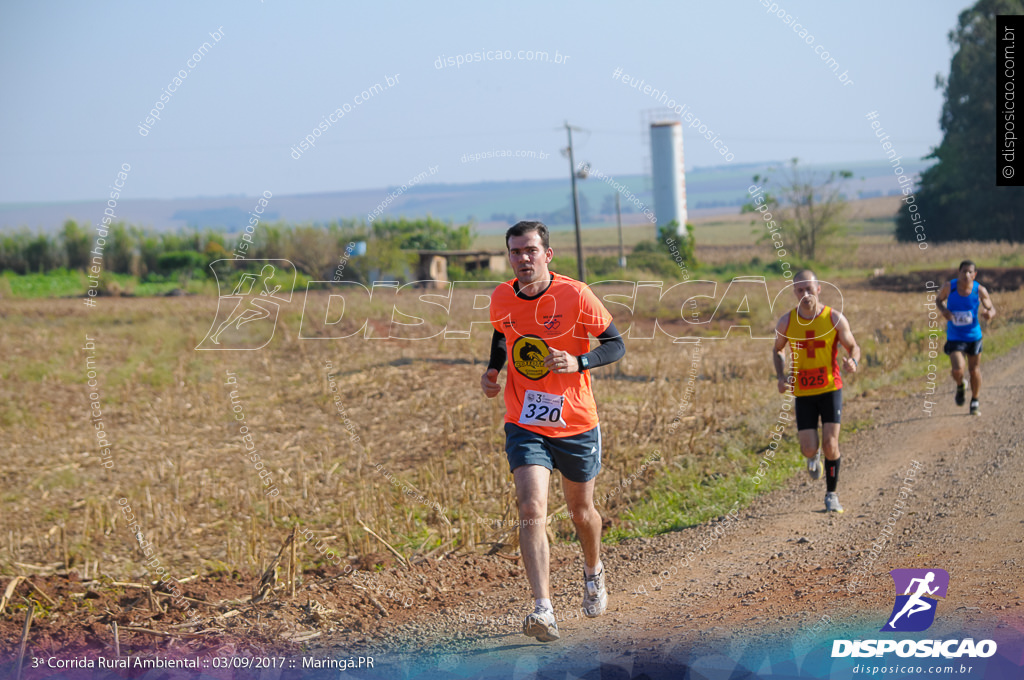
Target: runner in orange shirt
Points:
(542, 325)
(814, 332)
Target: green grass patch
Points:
(58, 283)
(680, 498)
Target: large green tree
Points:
(958, 198)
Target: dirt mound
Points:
(993, 278)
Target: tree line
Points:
(314, 249)
(958, 196)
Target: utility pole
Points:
(618, 219)
(580, 265)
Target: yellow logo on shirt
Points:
(528, 352)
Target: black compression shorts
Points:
(827, 406)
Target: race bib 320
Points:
(542, 409)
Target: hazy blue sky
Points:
(78, 78)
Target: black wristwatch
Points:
(584, 362)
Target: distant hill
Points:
(491, 205)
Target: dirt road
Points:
(778, 584)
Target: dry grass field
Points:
(419, 460)
(385, 455)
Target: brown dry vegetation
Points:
(870, 253)
(417, 411)
(416, 407)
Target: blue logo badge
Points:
(916, 593)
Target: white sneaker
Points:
(814, 466)
(595, 596)
(541, 625)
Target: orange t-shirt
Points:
(815, 343)
(563, 317)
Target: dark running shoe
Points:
(960, 390)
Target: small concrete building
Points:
(433, 264)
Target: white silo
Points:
(668, 175)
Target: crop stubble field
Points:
(416, 456)
(415, 406)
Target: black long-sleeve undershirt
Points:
(498, 351)
(611, 349)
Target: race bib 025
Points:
(813, 378)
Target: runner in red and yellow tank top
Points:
(815, 345)
(542, 326)
(813, 333)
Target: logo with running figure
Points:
(528, 352)
(253, 303)
(914, 610)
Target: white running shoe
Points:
(541, 625)
(595, 596)
(814, 466)
(832, 502)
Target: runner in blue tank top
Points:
(960, 301)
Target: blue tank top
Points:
(965, 326)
